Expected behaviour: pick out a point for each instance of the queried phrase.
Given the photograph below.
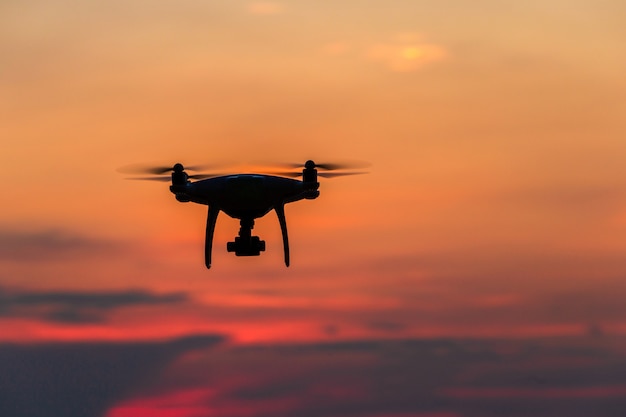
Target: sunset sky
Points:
(478, 270)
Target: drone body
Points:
(245, 197)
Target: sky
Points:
(477, 270)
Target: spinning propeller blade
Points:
(324, 167)
(332, 166)
(287, 174)
(205, 176)
(158, 170)
(161, 173)
(164, 179)
(343, 165)
(338, 174)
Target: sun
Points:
(412, 53)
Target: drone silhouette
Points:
(244, 196)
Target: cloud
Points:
(387, 326)
(591, 205)
(77, 307)
(410, 377)
(265, 8)
(402, 53)
(34, 246)
(84, 379)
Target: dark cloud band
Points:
(77, 307)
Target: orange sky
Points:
(497, 148)
(495, 206)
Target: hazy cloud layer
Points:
(82, 379)
(265, 8)
(469, 378)
(34, 246)
(77, 307)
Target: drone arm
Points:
(280, 212)
(210, 228)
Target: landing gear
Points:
(246, 244)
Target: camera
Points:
(253, 246)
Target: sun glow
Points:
(402, 57)
(412, 52)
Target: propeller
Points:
(340, 174)
(168, 178)
(325, 167)
(331, 166)
(159, 171)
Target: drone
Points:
(244, 196)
